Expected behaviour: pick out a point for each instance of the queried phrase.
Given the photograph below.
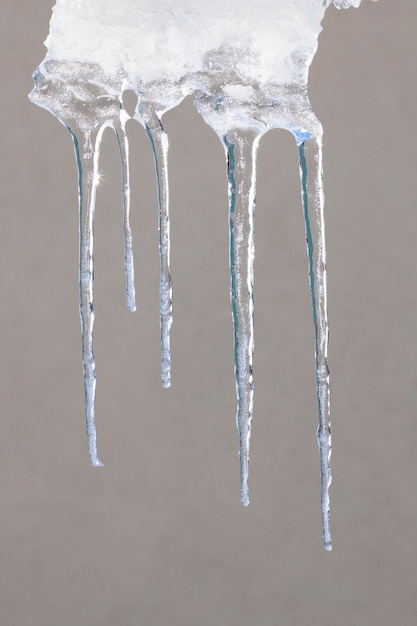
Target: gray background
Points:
(158, 537)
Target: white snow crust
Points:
(265, 41)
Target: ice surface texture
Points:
(246, 65)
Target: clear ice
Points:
(246, 66)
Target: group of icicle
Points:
(86, 106)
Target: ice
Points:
(246, 66)
(123, 144)
(311, 176)
(159, 143)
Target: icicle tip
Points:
(327, 543)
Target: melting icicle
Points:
(247, 76)
(86, 109)
(311, 178)
(128, 251)
(159, 143)
(86, 151)
(241, 169)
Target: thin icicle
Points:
(87, 148)
(311, 177)
(159, 142)
(241, 149)
(123, 143)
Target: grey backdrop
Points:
(157, 537)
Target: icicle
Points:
(159, 142)
(243, 76)
(310, 158)
(123, 144)
(241, 148)
(87, 149)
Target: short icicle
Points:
(86, 145)
(311, 177)
(123, 144)
(159, 142)
(241, 149)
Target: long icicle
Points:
(123, 144)
(159, 142)
(241, 149)
(86, 146)
(311, 178)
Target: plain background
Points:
(157, 537)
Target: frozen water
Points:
(246, 65)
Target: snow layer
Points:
(265, 41)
